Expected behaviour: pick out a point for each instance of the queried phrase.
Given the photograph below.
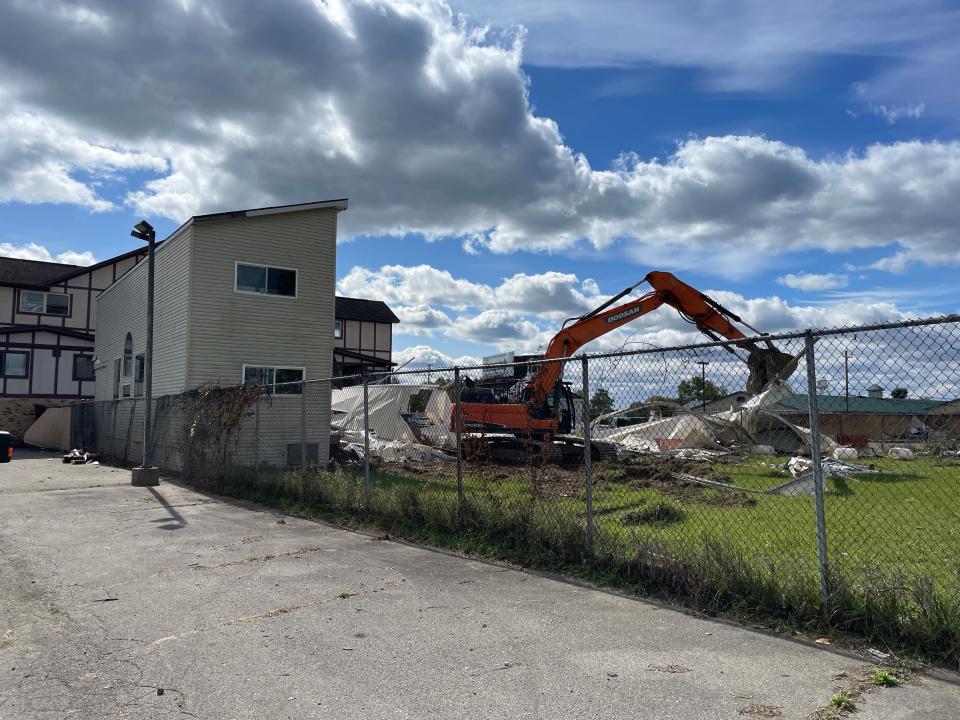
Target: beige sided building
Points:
(240, 297)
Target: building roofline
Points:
(339, 205)
(81, 269)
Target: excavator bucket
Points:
(767, 364)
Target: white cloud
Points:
(512, 315)
(421, 319)
(812, 282)
(33, 251)
(503, 329)
(416, 285)
(424, 121)
(422, 356)
(40, 158)
(785, 40)
(418, 288)
(896, 263)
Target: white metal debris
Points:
(393, 450)
(845, 453)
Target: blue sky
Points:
(775, 170)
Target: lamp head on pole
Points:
(143, 230)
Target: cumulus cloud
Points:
(423, 356)
(812, 282)
(423, 119)
(421, 319)
(416, 289)
(33, 251)
(512, 315)
(40, 157)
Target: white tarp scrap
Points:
(388, 404)
(666, 434)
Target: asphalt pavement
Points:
(123, 602)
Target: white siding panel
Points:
(123, 308)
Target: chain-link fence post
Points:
(457, 430)
(817, 470)
(587, 453)
(256, 433)
(303, 427)
(366, 439)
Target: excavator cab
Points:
(557, 406)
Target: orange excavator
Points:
(545, 408)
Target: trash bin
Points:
(6, 447)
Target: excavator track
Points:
(511, 450)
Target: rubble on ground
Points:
(352, 442)
(79, 457)
(753, 425)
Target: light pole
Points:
(147, 474)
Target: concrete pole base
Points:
(145, 476)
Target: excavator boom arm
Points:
(709, 316)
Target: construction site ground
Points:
(123, 602)
(645, 499)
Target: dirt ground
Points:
(642, 472)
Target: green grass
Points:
(893, 538)
(883, 677)
(843, 700)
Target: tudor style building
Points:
(47, 326)
(362, 336)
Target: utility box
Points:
(6, 447)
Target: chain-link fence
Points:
(829, 492)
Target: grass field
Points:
(893, 537)
(905, 517)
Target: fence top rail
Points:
(377, 376)
(793, 335)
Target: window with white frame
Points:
(116, 378)
(337, 329)
(281, 380)
(37, 302)
(265, 280)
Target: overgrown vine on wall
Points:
(213, 418)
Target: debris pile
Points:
(753, 426)
(390, 450)
(396, 432)
(79, 457)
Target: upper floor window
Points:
(265, 280)
(44, 303)
(337, 329)
(14, 364)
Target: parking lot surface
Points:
(123, 602)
